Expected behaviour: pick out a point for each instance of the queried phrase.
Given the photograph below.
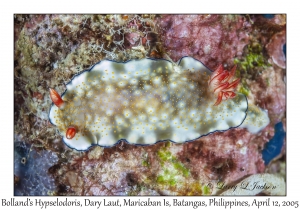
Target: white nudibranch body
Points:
(143, 101)
(256, 120)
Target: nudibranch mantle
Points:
(143, 101)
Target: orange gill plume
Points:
(222, 84)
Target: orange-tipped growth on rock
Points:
(222, 84)
(56, 99)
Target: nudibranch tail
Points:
(56, 99)
(71, 132)
(221, 85)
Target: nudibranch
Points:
(146, 101)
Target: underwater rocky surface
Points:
(51, 49)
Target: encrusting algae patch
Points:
(143, 101)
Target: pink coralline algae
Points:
(221, 154)
(133, 39)
(275, 49)
(212, 39)
(269, 92)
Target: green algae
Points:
(145, 160)
(250, 65)
(253, 60)
(167, 178)
(173, 169)
(268, 82)
(180, 167)
(164, 155)
(244, 90)
(174, 174)
(145, 163)
(206, 190)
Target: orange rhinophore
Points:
(56, 99)
(222, 84)
(71, 132)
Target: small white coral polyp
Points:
(143, 101)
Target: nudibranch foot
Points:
(145, 101)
